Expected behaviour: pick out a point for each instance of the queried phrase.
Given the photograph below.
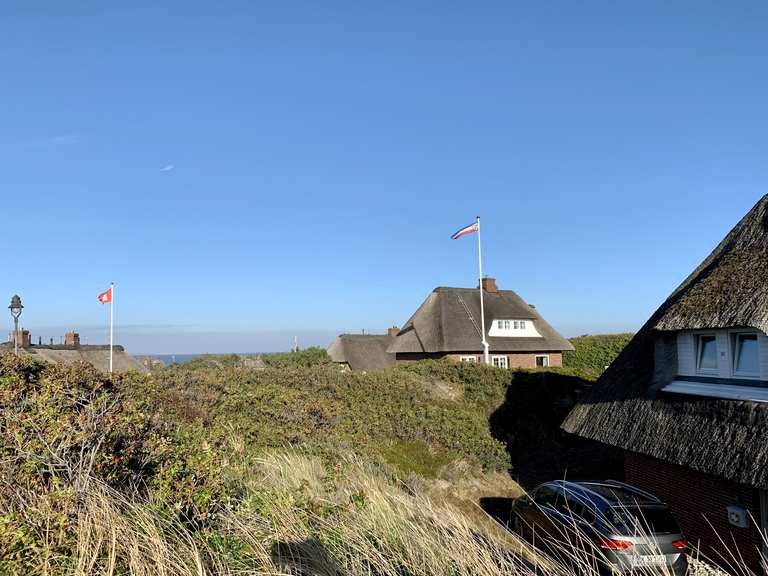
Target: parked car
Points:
(632, 529)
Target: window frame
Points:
(468, 359)
(698, 350)
(504, 357)
(733, 338)
(536, 360)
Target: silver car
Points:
(622, 528)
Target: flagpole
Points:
(486, 357)
(111, 323)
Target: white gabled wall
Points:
(528, 332)
(723, 354)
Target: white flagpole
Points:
(111, 323)
(486, 356)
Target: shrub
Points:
(594, 353)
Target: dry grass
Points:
(297, 516)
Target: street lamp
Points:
(15, 308)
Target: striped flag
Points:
(471, 229)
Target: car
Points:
(625, 528)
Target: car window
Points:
(543, 496)
(562, 505)
(629, 520)
(581, 512)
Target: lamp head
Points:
(16, 306)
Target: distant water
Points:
(169, 359)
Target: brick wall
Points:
(697, 500)
(515, 360)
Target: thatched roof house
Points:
(447, 324)
(688, 397)
(364, 352)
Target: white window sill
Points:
(726, 391)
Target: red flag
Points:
(106, 297)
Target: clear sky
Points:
(250, 171)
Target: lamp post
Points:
(15, 308)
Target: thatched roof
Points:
(726, 438)
(449, 321)
(98, 356)
(362, 351)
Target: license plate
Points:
(650, 560)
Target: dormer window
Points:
(725, 354)
(726, 363)
(513, 328)
(706, 353)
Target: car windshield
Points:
(630, 520)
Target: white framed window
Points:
(745, 354)
(499, 361)
(469, 359)
(706, 353)
(542, 361)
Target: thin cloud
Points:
(167, 168)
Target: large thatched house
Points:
(447, 325)
(688, 397)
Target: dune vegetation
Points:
(595, 352)
(297, 467)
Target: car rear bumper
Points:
(679, 567)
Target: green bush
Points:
(595, 352)
(312, 356)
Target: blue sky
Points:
(318, 155)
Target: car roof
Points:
(609, 492)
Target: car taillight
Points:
(681, 544)
(610, 544)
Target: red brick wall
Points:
(517, 360)
(698, 500)
(514, 360)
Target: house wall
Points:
(514, 360)
(698, 499)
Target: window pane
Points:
(747, 355)
(522, 324)
(517, 324)
(707, 353)
(501, 325)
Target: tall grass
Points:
(299, 517)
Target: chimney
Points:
(489, 285)
(72, 339)
(393, 331)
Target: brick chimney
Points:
(22, 337)
(489, 285)
(72, 339)
(393, 331)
